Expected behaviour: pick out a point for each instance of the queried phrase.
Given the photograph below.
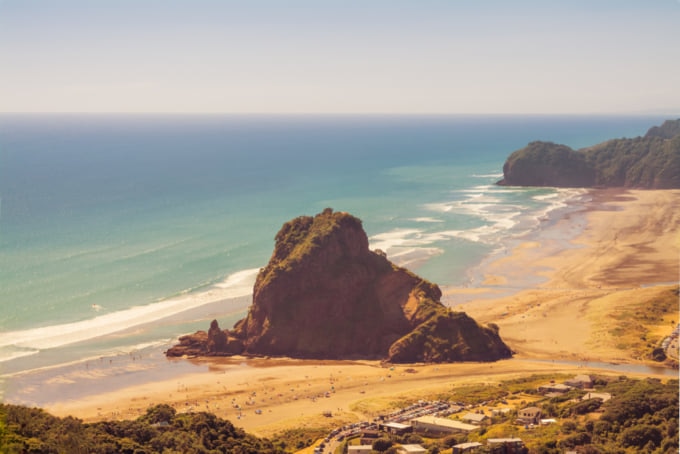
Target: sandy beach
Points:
(627, 253)
(596, 268)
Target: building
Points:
(475, 418)
(411, 449)
(529, 415)
(604, 397)
(434, 425)
(454, 409)
(580, 381)
(369, 436)
(395, 428)
(465, 448)
(554, 388)
(359, 449)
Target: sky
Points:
(332, 56)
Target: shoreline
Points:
(617, 260)
(52, 347)
(561, 317)
(548, 235)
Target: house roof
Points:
(474, 417)
(446, 423)
(396, 425)
(503, 440)
(470, 444)
(359, 448)
(412, 448)
(604, 397)
(556, 386)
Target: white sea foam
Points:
(408, 257)
(504, 216)
(128, 349)
(486, 208)
(402, 245)
(407, 246)
(31, 340)
(394, 238)
(473, 235)
(240, 283)
(487, 175)
(486, 188)
(441, 207)
(426, 219)
(543, 197)
(557, 200)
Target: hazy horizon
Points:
(340, 58)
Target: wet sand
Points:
(629, 251)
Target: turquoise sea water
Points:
(121, 232)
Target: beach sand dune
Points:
(622, 250)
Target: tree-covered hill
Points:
(649, 162)
(160, 430)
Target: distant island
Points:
(325, 295)
(649, 162)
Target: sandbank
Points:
(624, 248)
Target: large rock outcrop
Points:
(649, 162)
(324, 294)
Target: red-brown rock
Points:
(324, 294)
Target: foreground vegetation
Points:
(160, 430)
(641, 416)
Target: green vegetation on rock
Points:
(446, 336)
(160, 430)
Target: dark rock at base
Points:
(217, 339)
(190, 345)
(216, 342)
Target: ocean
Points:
(118, 233)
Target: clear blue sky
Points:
(332, 56)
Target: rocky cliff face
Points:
(650, 162)
(324, 294)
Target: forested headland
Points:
(648, 162)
